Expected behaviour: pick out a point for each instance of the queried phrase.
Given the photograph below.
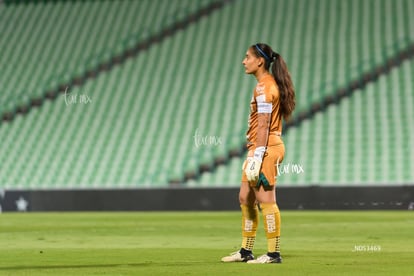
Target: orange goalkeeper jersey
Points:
(265, 99)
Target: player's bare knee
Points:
(247, 199)
(243, 199)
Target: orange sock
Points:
(271, 217)
(250, 217)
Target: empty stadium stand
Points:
(175, 111)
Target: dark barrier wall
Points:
(308, 198)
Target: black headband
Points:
(262, 53)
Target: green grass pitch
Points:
(192, 243)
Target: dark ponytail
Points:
(287, 92)
(282, 77)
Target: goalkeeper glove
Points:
(252, 168)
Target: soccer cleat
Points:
(237, 257)
(266, 259)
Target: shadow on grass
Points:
(80, 266)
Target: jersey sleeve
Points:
(263, 98)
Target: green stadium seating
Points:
(49, 43)
(139, 130)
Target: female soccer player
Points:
(272, 100)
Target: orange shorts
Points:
(268, 172)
